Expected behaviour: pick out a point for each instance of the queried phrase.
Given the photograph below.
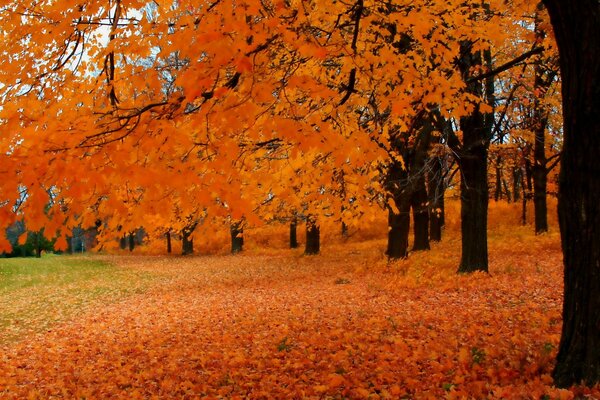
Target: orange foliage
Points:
(345, 324)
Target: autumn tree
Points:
(576, 30)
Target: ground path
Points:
(279, 325)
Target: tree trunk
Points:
(539, 198)
(498, 191)
(187, 241)
(420, 215)
(237, 237)
(123, 242)
(293, 234)
(313, 236)
(473, 183)
(168, 236)
(517, 184)
(435, 194)
(576, 29)
(131, 241)
(398, 229)
(540, 121)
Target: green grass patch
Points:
(37, 293)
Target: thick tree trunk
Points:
(131, 239)
(237, 237)
(187, 241)
(123, 242)
(187, 244)
(398, 219)
(420, 215)
(576, 29)
(293, 234)
(399, 227)
(168, 236)
(313, 236)
(473, 183)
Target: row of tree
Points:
(167, 115)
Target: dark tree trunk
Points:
(399, 218)
(498, 191)
(473, 164)
(517, 184)
(435, 194)
(187, 244)
(399, 227)
(344, 230)
(576, 29)
(168, 236)
(420, 215)
(506, 191)
(540, 121)
(123, 242)
(313, 236)
(187, 241)
(237, 237)
(293, 234)
(131, 239)
(539, 198)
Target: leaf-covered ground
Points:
(344, 324)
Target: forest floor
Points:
(276, 324)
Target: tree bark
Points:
(237, 237)
(313, 236)
(131, 240)
(398, 219)
(168, 236)
(576, 29)
(517, 183)
(420, 215)
(293, 234)
(187, 245)
(399, 227)
(435, 193)
(540, 121)
(473, 165)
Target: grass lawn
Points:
(37, 293)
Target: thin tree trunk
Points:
(420, 215)
(517, 184)
(168, 236)
(540, 121)
(131, 241)
(576, 29)
(293, 234)
(498, 191)
(436, 190)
